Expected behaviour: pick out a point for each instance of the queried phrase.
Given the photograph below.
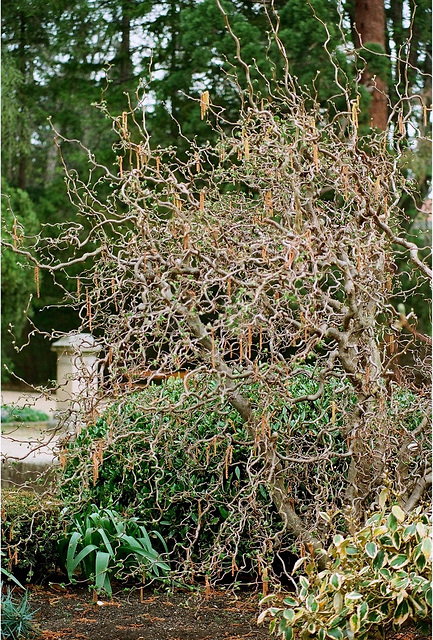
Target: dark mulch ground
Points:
(70, 614)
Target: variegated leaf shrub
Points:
(377, 578)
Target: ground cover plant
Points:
(263, 271)
(17, 617)
(102, 545)
(376, 579)
(10, 413)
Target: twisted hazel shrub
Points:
(377, 578)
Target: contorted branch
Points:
(264, 272)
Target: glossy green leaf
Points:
(383, 497)
(353, 595)
(288, 614)
(362, 610)
(392, 523)
(335, 580)
(398, 513)
(380, 560)
(354, 623)
(402, 612)
(399, 561)
(426, 547)
(338, 602)
(311, 603)
(288, 633)
(371, 549)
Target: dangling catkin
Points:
(204, 103)
(37, 281)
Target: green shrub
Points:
(11, 413)
(17, 619)
(30, 533)
(377, 578)
(104, 544)
(191, 474)
(188, 469)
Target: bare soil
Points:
(70, 614)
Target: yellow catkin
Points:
(264, 423)
(367, 376)
(95, 464)
(247, 149)
(201, 206)
(346, 182)
(213, 349)
(424, 110)
(89, 308)
(197, 163)
(125, 121)
(207, 588)
(15, 235)
(265, 582)
(120, 166)
(401, 127)
(37, 281)
(355, 111)
(377, 186)
(62, 458)
(158, 164)
(204, 103)
(234, 566)
(269, 207)
(186, 240)
(333, 407)
(78, 287)
(316, 155)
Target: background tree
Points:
(18, 284)
(59, 58)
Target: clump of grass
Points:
(17, 618)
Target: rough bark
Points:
(370, 28)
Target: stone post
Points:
(77, 371)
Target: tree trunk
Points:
(125, 45)
(370, 28)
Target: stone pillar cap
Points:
(77, 342)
